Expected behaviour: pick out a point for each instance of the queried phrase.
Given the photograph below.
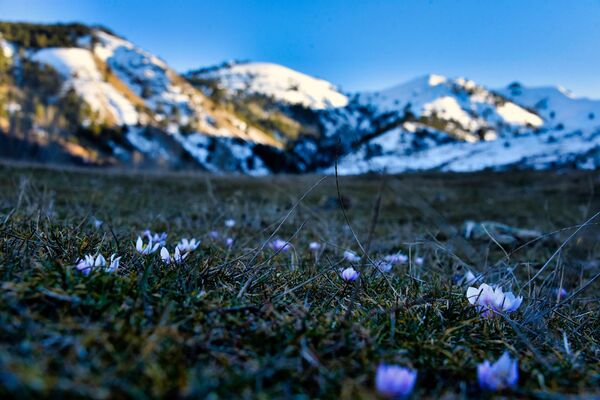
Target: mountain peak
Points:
(434, 79)
(278, 82)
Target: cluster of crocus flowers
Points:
(146, 248)
(350, 274)
(280, 245)
(503, 374)
(394, 381)
(88, 263)
(397, 258)
(490, 300)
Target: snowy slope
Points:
(557, 106)
(81, 73)
(461, 104)
(278, 82)
(149, 78)
(6, 48)
(531, 150)
(567, 134)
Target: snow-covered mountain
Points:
(457, 125)
(152, 113)
(94, 97)
(280, 83)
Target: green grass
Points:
(245, 323)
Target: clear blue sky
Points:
(365, 44)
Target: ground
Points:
(247, 322)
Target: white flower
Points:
(230, 223)
(489, 300)
(419, 260)
(100, 261)
(176, 258)
(145, 249)
(114, 263)
(351, 256)
(350, 274)
(187, 246)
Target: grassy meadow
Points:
(245, 321)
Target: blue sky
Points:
(369, 44)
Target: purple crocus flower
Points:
(383, 265)
(280, 245)
(351, 256)
(160, 238)
(393, 381)
(314, 246)
(229, 242)
(500, 375)
(350, 274)
(561, 293)
(397, 258)
(490, 300)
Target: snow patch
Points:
(280, 83)
(80, 71)
(516, 115)
(7, 48)
(435, 80)
(532, 150)
(135, 136)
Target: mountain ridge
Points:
(101, 99)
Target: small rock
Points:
(502, 233)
